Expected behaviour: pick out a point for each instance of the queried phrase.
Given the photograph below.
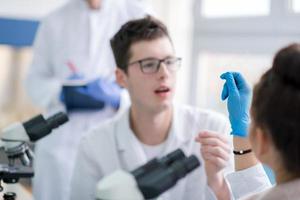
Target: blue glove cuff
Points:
(241, 130)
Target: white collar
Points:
(125, 135)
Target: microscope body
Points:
(14, 140)
(148, 181)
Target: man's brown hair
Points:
(147, 28)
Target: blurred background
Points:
(212, 36)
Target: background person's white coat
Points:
(74, 34)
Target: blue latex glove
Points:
(238, 93)
(107, 91)
(94, 95)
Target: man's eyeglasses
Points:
(151, 65)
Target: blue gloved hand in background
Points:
(103, 90)
(93, 95)
(238, 93)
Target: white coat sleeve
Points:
(240, 183)
(197, 190)
(248, 181)
(245, 182)
(86, 174)
(40, 83)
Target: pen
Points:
(72, 67)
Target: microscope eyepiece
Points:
(172, 157)
(39, 127)
(159, 175)
(57, 120)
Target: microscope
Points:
(14, 140)
(147, 181)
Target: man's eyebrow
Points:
(154, 58)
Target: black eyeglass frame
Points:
(177, 62)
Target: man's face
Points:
(94, 4)
(150, 91)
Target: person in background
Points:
(153, 126)
(274, 137)
(72, 70)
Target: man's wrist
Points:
(219, 186)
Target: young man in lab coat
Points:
(153, 126)
(73, 41)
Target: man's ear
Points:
(121, 77)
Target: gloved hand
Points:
(94, 95)
(107, 91)
(238, 93)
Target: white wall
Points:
(177, 15)
(222, 43)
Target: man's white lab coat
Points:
(113, 146)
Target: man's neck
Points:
(151, 128)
